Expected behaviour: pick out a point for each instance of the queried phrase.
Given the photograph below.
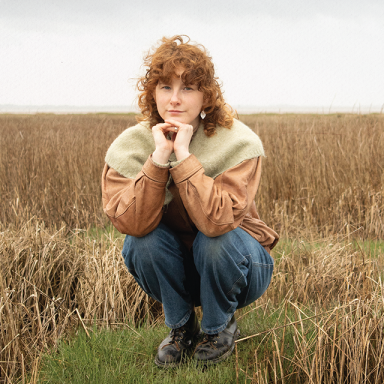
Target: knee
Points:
(209, 250)
(157, 248)
(203, 246)
(143, 251)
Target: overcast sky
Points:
(266, 52)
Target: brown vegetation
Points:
(332, 297)
(323, 172)
(323, 177)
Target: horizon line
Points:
(245, 109)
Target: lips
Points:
(174, 111)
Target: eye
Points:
(166, 87)
(188, 88)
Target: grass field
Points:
(61, 273)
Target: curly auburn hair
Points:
(198, 68)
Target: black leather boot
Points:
(216, 348)
(179, 342)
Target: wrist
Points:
(161, 157)
(182, 154)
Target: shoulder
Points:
(130, 149)
(132, 134)
(226, 148)
(129, 138)
(241, 136)
(242, 130)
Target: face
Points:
(179, 102)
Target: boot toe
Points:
(218, 347)
(178, 343)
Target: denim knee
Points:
(137, 252)
(222, 263)
(209, 252)
(235, 270)
(156, 261)
(149, 250)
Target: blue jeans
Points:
(220, 273)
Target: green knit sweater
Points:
(227, 148)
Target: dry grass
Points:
(322, 172)
(323, 177)
(336, 297)
(51, 283)
(50, 167)
(344, 345)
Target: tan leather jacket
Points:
(200, 203)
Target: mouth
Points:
(174, 111)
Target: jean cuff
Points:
(219, 329)
(181, 322)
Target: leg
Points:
(235, 270)
(156, 261)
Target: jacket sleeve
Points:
(134, 206)
(219, 205)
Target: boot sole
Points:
(161, 364)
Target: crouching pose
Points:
(181, 185)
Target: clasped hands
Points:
(179, 142)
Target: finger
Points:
(161, 126)
(180, 126)
(175, 123)
(172, 129)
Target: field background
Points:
(322, 191)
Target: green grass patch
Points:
(370, 248)
(127, 355)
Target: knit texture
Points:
(226, 149)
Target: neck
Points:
(195, 128)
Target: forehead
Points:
(169, 76)
(171, 72)
(178, 71)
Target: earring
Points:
(203, 114)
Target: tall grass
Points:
(328, 296)
(50, 167)
(321, 172)
(61, 269)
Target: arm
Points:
(217, 206)
(134, 206)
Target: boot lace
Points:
(209, 339)
(177, 334)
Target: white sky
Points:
(266, 52)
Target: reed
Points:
(329, 295)
(323, 172)
(51, 284)
(322, 187)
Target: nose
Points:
(175, 99)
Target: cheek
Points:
(201, 100)
(159, 101)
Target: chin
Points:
(180, 119)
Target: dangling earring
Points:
(203, 114)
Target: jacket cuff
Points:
(158, 164)
(185, 169)
(154, 172)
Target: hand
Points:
(164, 147)
(181, 138)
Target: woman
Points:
(181, 185)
